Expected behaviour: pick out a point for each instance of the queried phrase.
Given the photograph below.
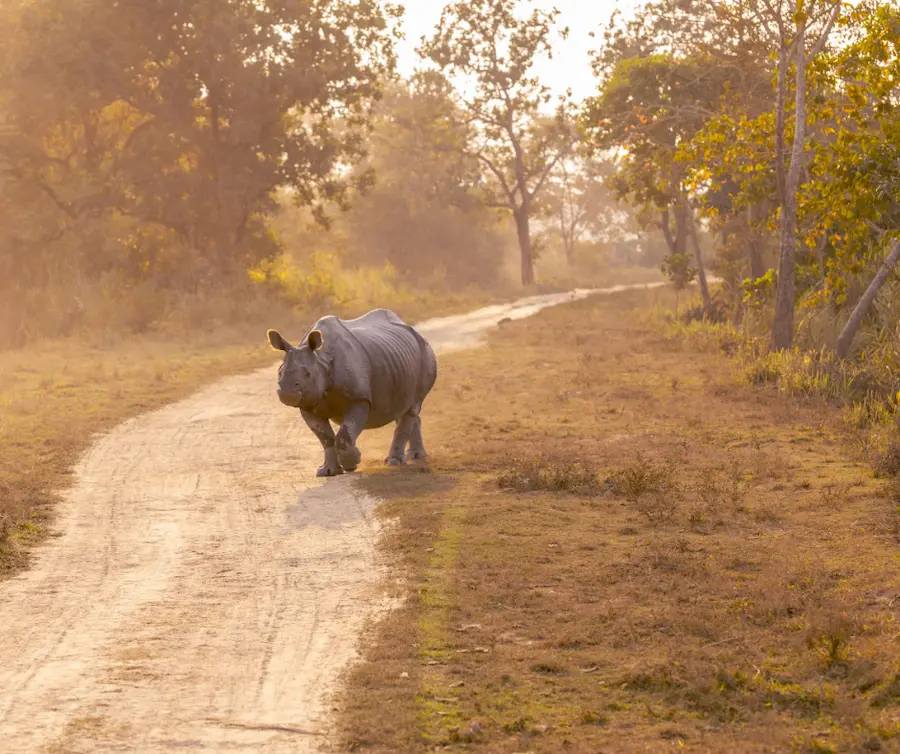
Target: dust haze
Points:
(712, 185)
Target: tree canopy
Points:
(490, 49)
(189, 144)
(178, 120)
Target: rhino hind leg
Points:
(402, 434)
(416, 450)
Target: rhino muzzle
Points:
(290, 399)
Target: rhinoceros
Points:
(359, 373)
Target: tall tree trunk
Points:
(522, 213)
(698, 254)
(572, 238)
(783, 327)
(780, 94)
(757, 268)
(681, 229)
(845, 339)
(523, 231)
(667, 231)
(570, 252)
(567, 235)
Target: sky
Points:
(570, 67)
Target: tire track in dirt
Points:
(204, 590)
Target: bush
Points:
(541, 474)
(716, 312)
(648, 485)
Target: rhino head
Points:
(303, 375)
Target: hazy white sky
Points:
(570, 67)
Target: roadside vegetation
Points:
(623, 544)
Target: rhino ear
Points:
(276, 341)
(315, 340)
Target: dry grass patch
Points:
(629, 552)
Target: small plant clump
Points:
(648, 485)
(544, 475)
(716, 313)
(887, 458)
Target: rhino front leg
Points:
(322, 429)
(402, 434)
(354, 422)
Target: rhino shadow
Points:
(331, 504)
(339, 501)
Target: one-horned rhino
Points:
(359, 373)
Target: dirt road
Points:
(205, 590)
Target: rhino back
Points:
(401, 368)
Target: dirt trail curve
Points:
(205, 590)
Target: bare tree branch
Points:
(510, 193)
(823, 37)
(776, 36)
(549, 167)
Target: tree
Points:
(577, 200)
(799, 32)
(716, 53)
(856, 168)
(186, 115)
(489, 50)
(677, 267)
(848, 333)
(725, 31)
(717, 37)
(731, 170)
(646, 109)
(423, 214)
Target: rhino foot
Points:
(416, 455)
(326, 470)
(350, 458)
(394, 461)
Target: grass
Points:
(864, 386)
(56, 395)
(621, 545)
